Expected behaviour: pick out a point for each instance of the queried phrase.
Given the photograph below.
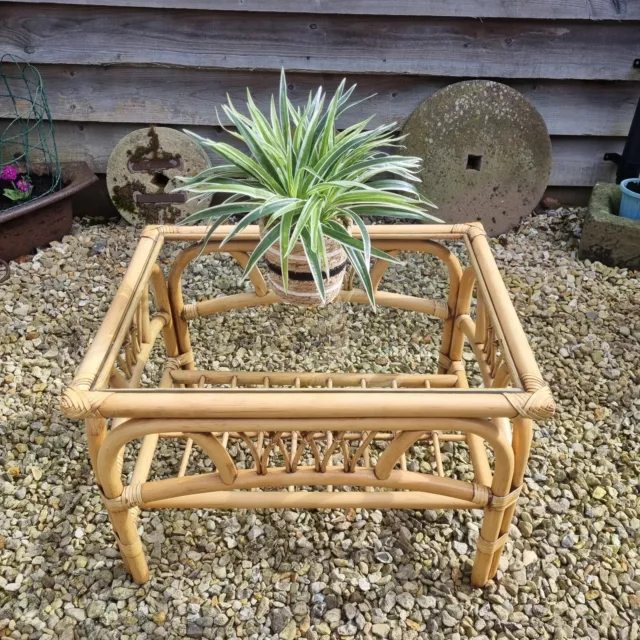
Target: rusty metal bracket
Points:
(159, 198)
(150, 166)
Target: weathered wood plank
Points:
(542, 9)
(188, 96)
(360, 44)
(577, 161)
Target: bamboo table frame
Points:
(333, 421)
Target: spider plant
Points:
(306, 181)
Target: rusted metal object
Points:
(156, 165)
(159, 198)
(39, 222)
(143, 172)
(5, 271)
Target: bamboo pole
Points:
(428, 307)
(478, 453)
(308, 476)
(379, 269)
(522, 438)
(481, 319)
(95, 368)
(117, 380)
(433, 308)
(156, 325)
(437, 453)
(312, 500)
(189, 444)
(185, 457)
(145, 336)
(321, 435)
(145, 458)
(177, 304)
(467, 329)
(493, 518)
(278, 378)
(161, 297)
(502, 377)
(96, 431)
(251, 233)
(505, 320)
(315, 403)
(463, 305)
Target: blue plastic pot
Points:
(630, 201)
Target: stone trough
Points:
(606, 236)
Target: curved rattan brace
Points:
(500, 503)
(365, 441)
(310, 439)
(257, 460)
(336, 443)
(491, 547)
(218, 454)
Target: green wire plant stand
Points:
(27, 142)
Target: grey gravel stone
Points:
(96, 609)
(381, 630)
(384, 557)
(279, 618)
(406, 601)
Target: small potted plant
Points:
(35, 200)
(19, 186)
(305, 183)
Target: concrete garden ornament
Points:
(306, 183)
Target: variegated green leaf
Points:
(303, 179)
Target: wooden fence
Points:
(113, 66)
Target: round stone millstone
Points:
(142, 172)
(486, 153)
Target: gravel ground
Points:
(570, 570)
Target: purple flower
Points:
(24, 184)
(9, 173)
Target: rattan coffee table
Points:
(311, 430)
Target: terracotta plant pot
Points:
(302, 290)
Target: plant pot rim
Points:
(78, 176)
(626, 190)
